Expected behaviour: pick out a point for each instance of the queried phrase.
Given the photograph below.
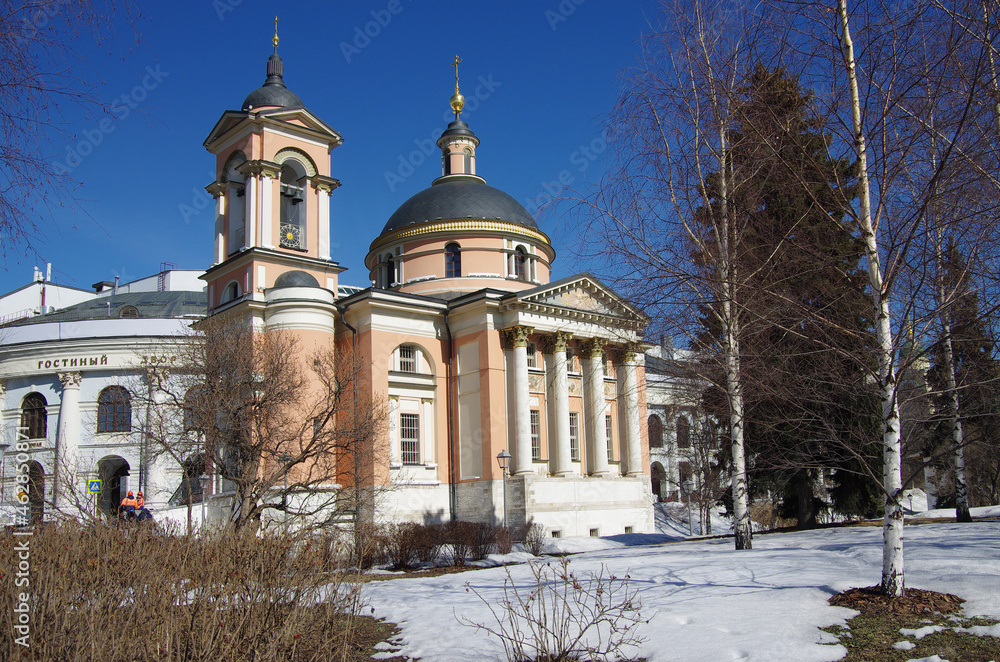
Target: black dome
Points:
(295, 279)
(273, 92)
(459, 198)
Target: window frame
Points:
(535, 423)
(408, 364)
(682, 424)
(654, 423)
(409, 446)
(34, 417)
(453, 260)
(608, 431)
(114, 412)
(574, 436)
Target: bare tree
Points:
(282, 430)
(43, 78)
(668, 231)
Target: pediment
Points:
(581, 294)
(297, 119)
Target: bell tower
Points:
(272, 195)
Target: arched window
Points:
(467, 161)
(193, 409)
(452, 261)
(231, 293)
(128, 312)
(34, 417)
(114, 410)
(655, 432)
(293, 209)
(390, 270)
(236, 206)
(683, 433)
(519, 264)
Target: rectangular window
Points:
(536, 443)
(409, 438)
(611, 441)
(532, 355)
(574, 436)
(571, 360)
(407, 359)
(595, 533)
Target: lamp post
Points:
(203, 479)
(285, 458)
(686, 487)
(503, 459)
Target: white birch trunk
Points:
(962, 513)
(892, 526)
(742, 530)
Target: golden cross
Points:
(455, 64)
(275, 40)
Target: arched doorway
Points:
(113, 472)
(659, 477)
(36, 492)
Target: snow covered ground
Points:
(706, 601)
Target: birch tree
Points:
(670, 130)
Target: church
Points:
(509, 396)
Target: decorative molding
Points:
(594, 347)
(515, 336)
(259, 167)
(293, 152)
(70, 379)
(324, 183)
(217, 189)
(461, 225)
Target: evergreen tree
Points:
(809, 406)
(977, 376)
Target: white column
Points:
(427, 431)
(596, 426)
(394, 432)
(250, 218)
(266, 197)
(522, 412)
(220, 217)
(68, 438)
(564, 463)
(323, 201)
(632, 434)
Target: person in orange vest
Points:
(129, 504)
(140, 501)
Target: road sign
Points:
(94, 486)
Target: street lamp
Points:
(203, 479)
(285, 459)
(503, 459)
(686, 487)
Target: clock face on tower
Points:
(291, 236)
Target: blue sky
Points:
(538, 78)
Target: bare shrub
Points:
(430, 537)
(461, 537)
(563, 617)
(403, 544)
(369, 546)
(533, 537)
(484, 540)
(505, 539)
(122, 594)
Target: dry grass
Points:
(124, 594)
(870, 635)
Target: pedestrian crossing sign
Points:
(94, 486)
